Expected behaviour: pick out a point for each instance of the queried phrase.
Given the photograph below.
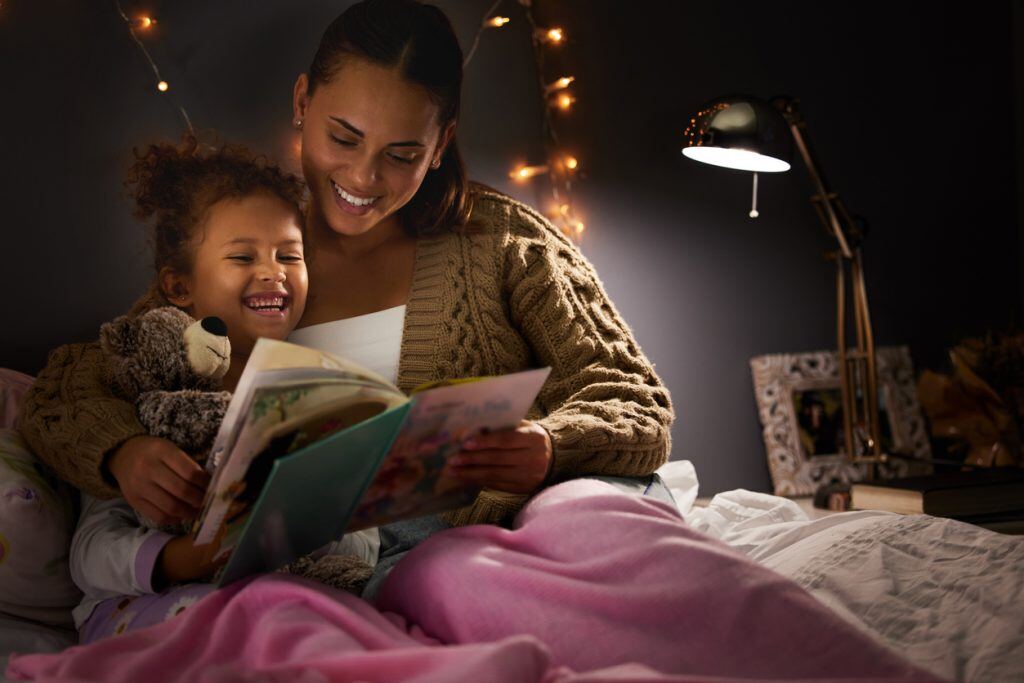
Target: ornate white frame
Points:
(778, 376)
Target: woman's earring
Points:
(436, 163)
(297, 123)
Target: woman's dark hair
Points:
(418, 41)
(175, 186)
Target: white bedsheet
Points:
(948, 596)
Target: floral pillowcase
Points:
(37, 520)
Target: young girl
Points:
(228, 231)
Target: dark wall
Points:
(911, 109)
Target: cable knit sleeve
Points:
(607, 411)
(72, 419)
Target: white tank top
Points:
(374, 341)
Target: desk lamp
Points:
(750, 134)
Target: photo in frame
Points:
(800, 407)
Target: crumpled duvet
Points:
(591, 585)
(948, 596)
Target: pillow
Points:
(37, 519)
(13, 386)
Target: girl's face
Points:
(368, 139)
(248, 270)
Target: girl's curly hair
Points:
(174, 187)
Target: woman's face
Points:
(368, 139)
(248, 270)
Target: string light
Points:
(524, 172)
(561, 84)
(561, 168)
(492, 22)
(144, 23)
(555, 36)
(564, 101)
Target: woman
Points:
(414, 273)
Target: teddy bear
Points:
(170, 366)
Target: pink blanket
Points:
(592, 585)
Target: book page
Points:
(272, 355)
(410, 482)
(305, 409)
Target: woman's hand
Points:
(514, 460)
(158, 479)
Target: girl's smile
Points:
(248, 270)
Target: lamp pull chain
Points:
(753, 206)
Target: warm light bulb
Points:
(564, 209)
(580, 227)
(571, 163)
(162, 86)
(564, 101)
(524, 172)
(555, 35)
(142, 23)
(561, 84)
(496, 22)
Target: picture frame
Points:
(800, 408)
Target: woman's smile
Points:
(352, 203)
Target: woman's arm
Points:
(72, 420)
(608, 412)
(93, 439)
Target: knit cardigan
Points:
(506, 294)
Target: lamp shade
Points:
(740, 132)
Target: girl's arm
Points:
(93, 439)
(111, 554)
(72, 420)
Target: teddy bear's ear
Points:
(117, 337)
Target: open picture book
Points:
(314, 446)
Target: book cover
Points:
(979, 491)
(313, 446)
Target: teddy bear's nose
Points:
(214, 325)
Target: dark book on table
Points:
(981, 491)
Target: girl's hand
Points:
(181, 560)
(158, 479)
(514, 460)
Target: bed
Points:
(946, 596)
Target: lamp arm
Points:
(830, 208)
(857, 366)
